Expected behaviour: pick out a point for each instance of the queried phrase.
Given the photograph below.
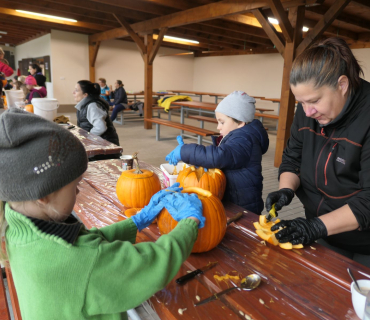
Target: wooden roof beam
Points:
(322, 25)
(233, 52)
(133, 35)
(346, 18)
(157, 45)
(282, 17)
(207, 12)
(270, 30)
(362, 3)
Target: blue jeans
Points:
(117, 108)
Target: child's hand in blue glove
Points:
(147, 215)
(175, 155)
(184, 205)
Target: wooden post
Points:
(148, 81)
(287, 100)
(93, 52)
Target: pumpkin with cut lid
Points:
(136, 187)
(213, 180)
(215, 225)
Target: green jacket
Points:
(63, 271)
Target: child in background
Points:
(5, 71)
(237, 151)
(34, 93)
(104, 89)
(87, 274)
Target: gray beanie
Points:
(238, 105)
(37, 156)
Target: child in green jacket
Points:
(62, 270)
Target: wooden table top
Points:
(141, 93)
(94, 144)
(195, 105)
(200, 93)
(311, 283)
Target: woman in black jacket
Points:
(327, 158)
(120, 99)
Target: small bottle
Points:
(367, 307)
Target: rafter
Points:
(269, 29)
(194, 15)
(323, 24)
(157, 44)
(280, 14)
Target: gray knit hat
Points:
(37, 156)
(238, 105)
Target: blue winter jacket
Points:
(239, 156)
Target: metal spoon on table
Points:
(353, 279)
(248, 283)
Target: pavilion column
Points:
(93, 52)
(287, 99)
(148, 80)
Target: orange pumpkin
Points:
(136, 187)
(215, 226)
(29, 108)
(213, 180)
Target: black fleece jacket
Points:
(333, 164)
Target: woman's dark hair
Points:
(323, 64)
(92, 89)
(120, 83)
(37, 67)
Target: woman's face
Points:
(29, 86)
(322, 104)
(116, 85)
(32, 70)
(78, 94)
(226, 124)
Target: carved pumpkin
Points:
(136, 187)
(213, 180)
(29, 108)
(215, 226)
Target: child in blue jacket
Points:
(237, 151)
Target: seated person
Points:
(104, 89)
(120, 99)
(92, 112)
(33, 92)
(237, 151)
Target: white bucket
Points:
(13, 96)
(45, 107)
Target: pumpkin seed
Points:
(262, 302)
(181, 311)
(197, 297)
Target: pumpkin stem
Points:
(136, 160)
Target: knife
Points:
(234, 218)
(272, 213)
(191, 275)
(211, 298)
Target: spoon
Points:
(353, 279)
(248, 283)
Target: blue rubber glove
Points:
(184, 205)
(175, 155)
(147, 215)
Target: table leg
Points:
(200, 98)
(134, 98)
(157, 132)
(202, 124)
(200, 139)
(169, 115)
(182, 118)
(277, 122)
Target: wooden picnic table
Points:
(95, 145)
(199, 94)
(310, 283)
(154, 94)
(221, 96)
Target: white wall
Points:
(33, 49)
(257, 75)
(363, 57)
(121, 60)
(69, 63)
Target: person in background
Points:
(5, 71)
(93, 112)
(17, 85)
(33, 92)
(120, 99)
(36, 72)
(104, 89)
(25, 90)
(326, 162)
(88, 274)
(22, 79)
(9, 85)
(237, 151)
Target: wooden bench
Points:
(183, 127)
(268, 116)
